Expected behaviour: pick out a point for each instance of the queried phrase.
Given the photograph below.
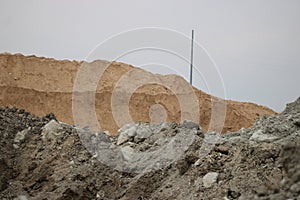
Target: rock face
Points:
(235, 167)
(43, 85)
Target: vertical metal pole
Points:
(192, 57)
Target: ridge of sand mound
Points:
(42, 85)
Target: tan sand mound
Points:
(43, 85)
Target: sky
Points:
(254, 45)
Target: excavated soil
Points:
(43, 85)
(43, 159)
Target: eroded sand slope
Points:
(43, 85)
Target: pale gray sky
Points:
(255, 44)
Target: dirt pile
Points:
(44, 159)
(43, 85)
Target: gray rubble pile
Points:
(141, 147)
(41, 158)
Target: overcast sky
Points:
(255, 44)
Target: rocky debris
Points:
(144, 146)
(162, 161)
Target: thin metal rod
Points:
(192, 57)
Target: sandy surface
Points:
(44, 85)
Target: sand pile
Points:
(43, 85)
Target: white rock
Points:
(50, 130)
(131, 132)
(209, 179)
(143, 133)
(122, 138)
(259, 136)
(126, 133)
(128, 152)
(125, 127)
